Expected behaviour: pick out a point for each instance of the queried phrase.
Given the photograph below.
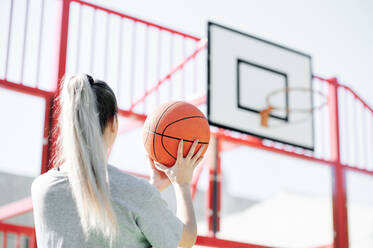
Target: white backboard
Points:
(242, 71)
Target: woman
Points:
(83, 202)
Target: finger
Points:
(192, 149)
(161, 167)
(201, 149)
(180, 150)
(197, 162)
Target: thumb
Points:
(151, 161)
(160, 167)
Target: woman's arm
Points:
(180, 176)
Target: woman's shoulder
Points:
(122, 182)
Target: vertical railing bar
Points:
(18, 240)
(171, 63)
(93, 41)
(30, 242)
(107, 32)
(24, 40)
(356, 137)
(38, 56)
(365, 142)
(183, 86)
(77, 65)
(323, 119)
(159, 63)
(318, 128)
(120, 61)
(195, 71)
(345, 130)
(5, 239)
(145, 83)
(133, 61)
(371, 130)
(9, 38)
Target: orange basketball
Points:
(168, 124)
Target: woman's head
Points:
(107, 109)
(88, 126)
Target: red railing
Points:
(175, 56)
(19, 231)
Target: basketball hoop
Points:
(264, 114)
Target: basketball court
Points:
(289, 162)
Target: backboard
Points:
(243, 71)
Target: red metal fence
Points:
(21, 232)
(150, 63)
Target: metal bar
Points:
(5, 239)
(93, 41)
(120, 62)
(217, 191)
(25, 89)
(364, 140)
(339, 183)
(371, 129)
(322, 125)
(168, 76)
(126, 113)
(356, 136)
(31, 242)
(356, 96)
(40, 43)
(16, 208)
(213, 193)
(63, 42)
(24, 40)
(195, 70)
(133, 61)
(344, 144)
(159, 61)
(64, 28)
(145, 83)
(183, 73)
(137, 20)
(260, 145)
(18, 240)
(107, 35)
(9, 38)
(78, 40)
(356, 169)
(11, 228)
(171, 64)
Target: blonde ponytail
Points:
(82, 148)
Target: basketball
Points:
(168, 124)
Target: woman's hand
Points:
(182, 171)
(158, 178)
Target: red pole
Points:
(339, 182)
(61, 72)
(63, 41)
(5, 239)
(213, 193)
